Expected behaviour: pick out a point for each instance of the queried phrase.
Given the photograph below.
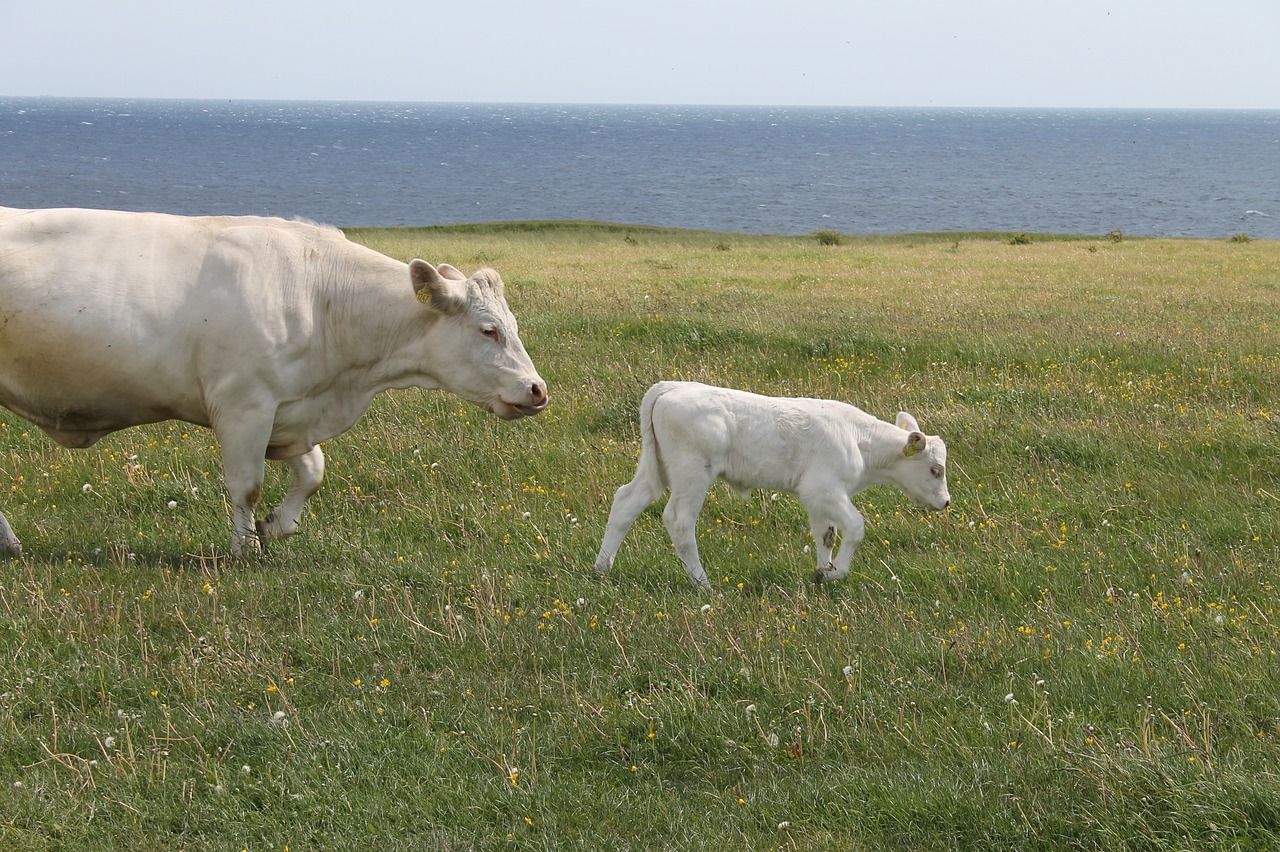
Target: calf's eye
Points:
(490, 332)
(936, 471)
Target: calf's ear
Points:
(906, 421)
(915, 443)
(442, 292)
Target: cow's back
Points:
(108, 316)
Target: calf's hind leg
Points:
(688, 493)
(629, 501)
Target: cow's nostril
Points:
(538, 393)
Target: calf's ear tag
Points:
(909, 450)
(424, 295)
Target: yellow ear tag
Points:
(909, 450)
(424, 296)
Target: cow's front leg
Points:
(244, 448)
(9, 544)
(305, 473)
(244, 530)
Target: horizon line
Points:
(641, 104)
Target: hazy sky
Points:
(1088, 53)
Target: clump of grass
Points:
(1021, 240)
(829, 238)
(1241, 238)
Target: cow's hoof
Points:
(249, 547)
(266, 531)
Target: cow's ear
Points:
(915, 443)
(437, 290)
(448, 271)
(906, 421)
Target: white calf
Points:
(820, 450)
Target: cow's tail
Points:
(650, 466)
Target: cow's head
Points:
(922, 471)
(477, 350)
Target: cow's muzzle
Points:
(534, 403)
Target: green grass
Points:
(1081, 654)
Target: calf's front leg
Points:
(824, 532)
(827, 518)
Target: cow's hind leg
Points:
(630, 500)
(9, 544)
(305, 473)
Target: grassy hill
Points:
(1081, 654)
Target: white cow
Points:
(275, 334)
(820, 450)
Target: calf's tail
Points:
(650, 466)
(647, 486)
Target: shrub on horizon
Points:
(829, 238)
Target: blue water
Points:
(741, 169)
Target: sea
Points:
(760, 170)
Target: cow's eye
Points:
(489, 331)
(936, 471)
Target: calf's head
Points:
(922, 472)
(476, 347)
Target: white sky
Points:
(1041, 53)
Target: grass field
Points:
(1081, 654)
